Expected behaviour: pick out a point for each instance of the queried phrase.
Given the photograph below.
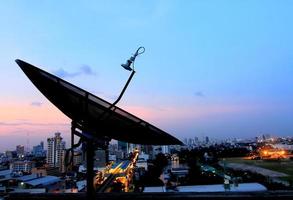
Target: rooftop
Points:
(46, 180)
(280, 195)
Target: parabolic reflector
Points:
(95, 115)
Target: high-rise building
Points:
(38, 150)
(77, 159)
(100, 158)
(123, 147)
(42, 145)
(207, 139)
(20, 150)
(132, 147)
(148, 149)
(55, 150)
(196, 141)
(190, 142)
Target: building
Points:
(148, 149)
(22, 166)
(38, 150)
(55, 151)
(20, 151)
(207, 139)
(123, 146)
(10, 154)
(159, 149)
(49, 183)
(142, 161)
(77, 159)
(62, 166)
(100, 158)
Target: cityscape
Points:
(259, 164)
(151, 100)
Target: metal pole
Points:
(120, 96)
(90, 169)
(72, 144)
(123, 90)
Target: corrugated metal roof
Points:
(27, 177)
(46, 180)
(5, 172)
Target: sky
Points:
(221, 69)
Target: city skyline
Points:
(222, 73)
(201, 140)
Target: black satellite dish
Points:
(93, 114)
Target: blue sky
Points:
(216, 68)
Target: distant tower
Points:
(207, 139)
(27, 142)
(55, 151)
(42, 145)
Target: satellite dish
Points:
(86, 109)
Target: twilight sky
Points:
(211, 68)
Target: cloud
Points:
(36, 103)
(199, 94)
(83, 70)
(62, 73)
